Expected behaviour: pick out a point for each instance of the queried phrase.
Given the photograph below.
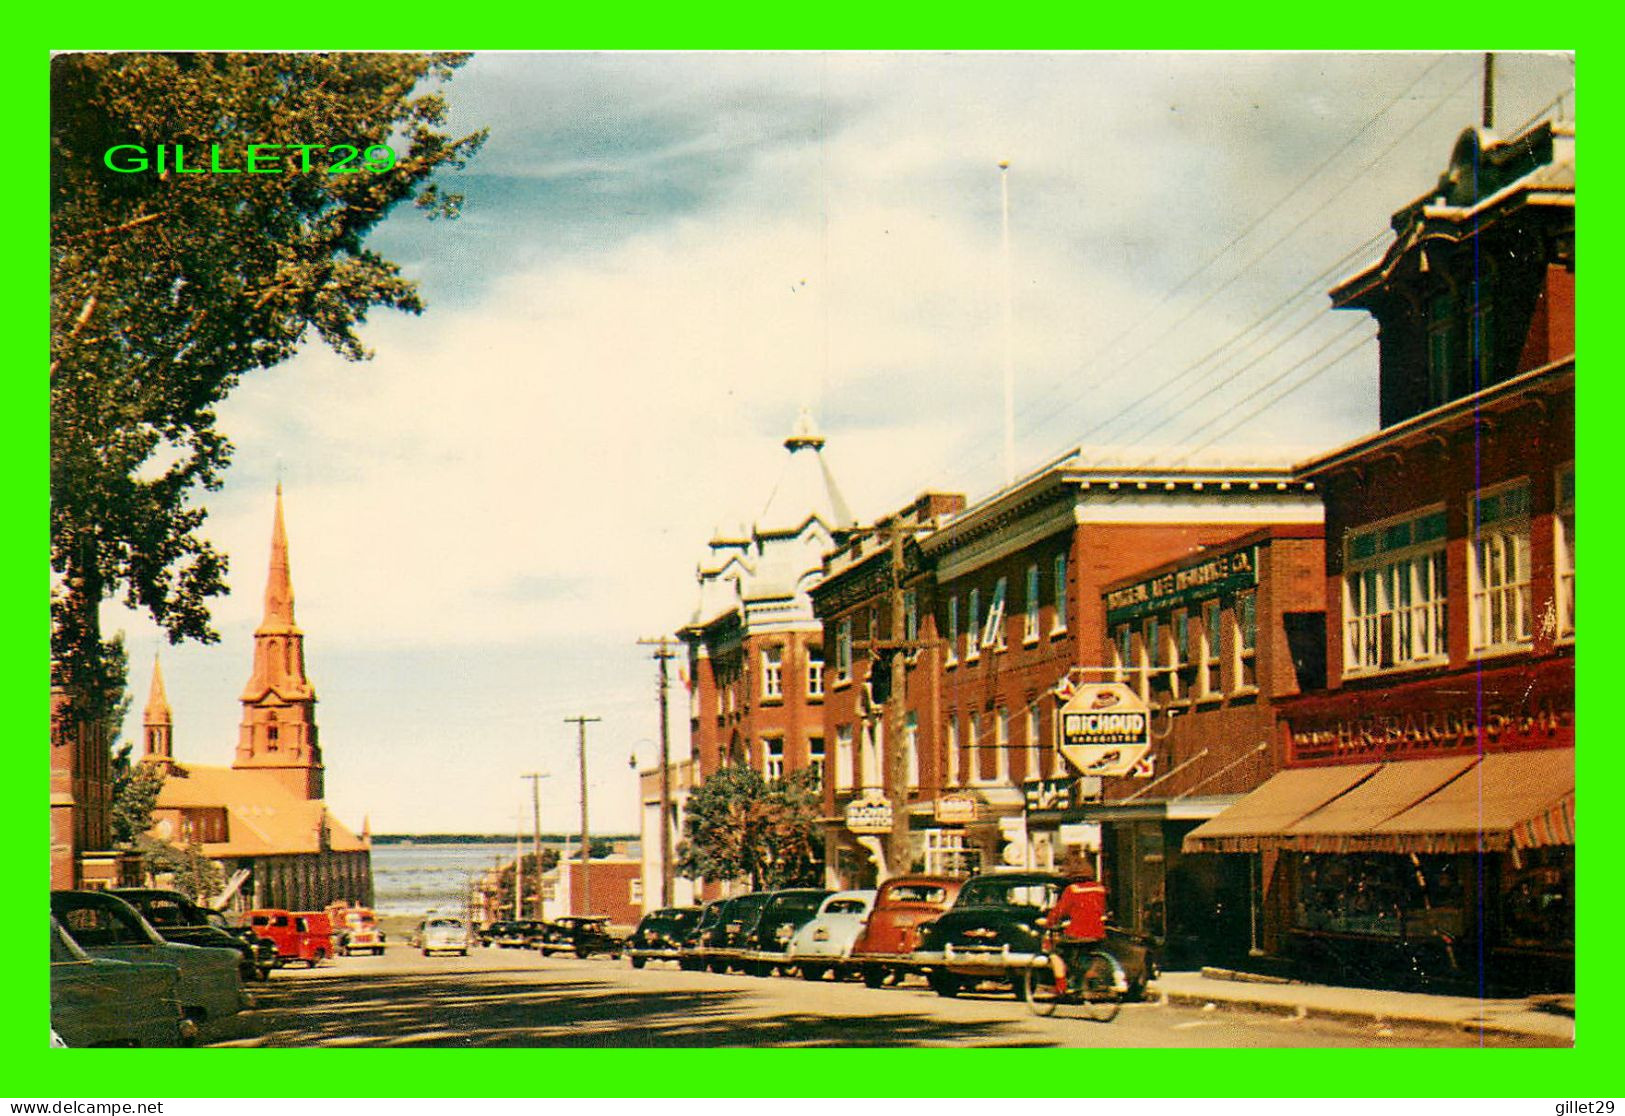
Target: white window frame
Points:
(1058, 624)
(815, 759)
(843, 650)
(1178, 653)
(1029, 627)
(973, 752)
(973, 626)
(1209, 681)
(1244, 660)
(950, 766)
(1001, 746)
(993, 629)
(911, 742)
(952, 656)
(874, 774)
(1034, 753)
(815, 675)
(1500, 612)
(772, 757)
(846, 769)
(1563, 553)
(1396, 598)
(773, 672)
(1122, 651)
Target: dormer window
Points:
(1441, 348)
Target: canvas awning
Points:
(1258, 820)
(1449, 804)
(1343, 822)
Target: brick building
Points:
(263, 818)
(1006, 594)
(1425, 819)
(755, 651)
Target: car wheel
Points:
(874, 976)
(462, 953)
(639, 962)
(943, 983)
(811, 972)
(689, 965)
(583, 952)
(425, 953)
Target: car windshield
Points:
(1020, 892)
(445, 924)
(917, 893)
(97, 926)
(845, 906)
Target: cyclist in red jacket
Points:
(1077, 921)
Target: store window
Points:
(772, 673)
(1060, 595)
(1029, 624)
(1499, 568)
(1400, 896)
(949, 852)
(1565, 553)
(843, 651)
(1394, 594)
(1208, 650)
(1246, 618)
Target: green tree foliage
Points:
(135, 793)
(167, 288)
(550, 860)
(740, 824)
(189, 869)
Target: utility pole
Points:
(662, 655)
(1489, 90)
(536, 846)
(894, 712)
(581, 724)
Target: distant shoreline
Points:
(488, 838)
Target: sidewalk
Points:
(1239, 992)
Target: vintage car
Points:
(583, 935)
(440, 934)
(659, 935)
(95, 1002)
(178, 919)
(522, 933)
(763, 946)
(355, 930)
(722, 945)
(992, 933)
(107, 927)
(884, 950)
(691, 950)
(305, 936)
(825, 942)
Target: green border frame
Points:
(33, 1072)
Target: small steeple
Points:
(157, 721)
(279, 582)
(804, 435)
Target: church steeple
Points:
(158, 721)
(278, 730)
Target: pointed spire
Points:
(157, 711)
(279, 582)
(805, 433)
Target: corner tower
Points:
(278, 731)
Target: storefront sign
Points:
(1105, 729)
(1211, 577)
(955, 809)
(869, 815)
(1540, 722)
(1049, 794)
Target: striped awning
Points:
(1443, 805)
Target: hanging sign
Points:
(955, 809)
(869, 815)
(1105, 729)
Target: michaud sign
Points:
(1105, 729)
(1211, 577)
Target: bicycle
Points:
(1099, 990)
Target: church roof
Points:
(262, 817)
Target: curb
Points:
(1343, 1015)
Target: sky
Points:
(663, 258)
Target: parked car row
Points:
(583, 935)
(148, 991)
(956, 933)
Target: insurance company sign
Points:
(1105, 729)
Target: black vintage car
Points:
(583, 935)
(518, 934)
(766, 937)
(722, 946)
(691, 949)
(991, 933)
(178, 919)
(659, 935)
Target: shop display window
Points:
(1400, 896)
(1537, 899)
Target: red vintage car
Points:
(355, 930)
(884, 950)
(298, 936)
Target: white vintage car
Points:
(827, 940)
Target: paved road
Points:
(509, 998)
